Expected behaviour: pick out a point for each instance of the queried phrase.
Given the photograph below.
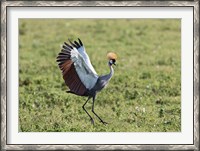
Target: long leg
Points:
(95, 113)
(86, 110)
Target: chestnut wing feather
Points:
(78, 73)
(69, 73)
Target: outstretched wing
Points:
(77, 74)
(81, 49)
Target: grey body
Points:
(101, 82)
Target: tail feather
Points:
(70, 92)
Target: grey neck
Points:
(108, 76)
(111, 71)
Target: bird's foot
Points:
(104, 122)
(92, 121)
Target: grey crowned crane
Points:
(79, 74)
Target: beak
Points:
(114, 64)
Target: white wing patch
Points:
(86, 74)
(81, 50)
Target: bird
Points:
(79, 74)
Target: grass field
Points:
(144, 94)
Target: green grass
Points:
(144, 94)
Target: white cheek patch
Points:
(110, 62)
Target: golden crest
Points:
(111, 55)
